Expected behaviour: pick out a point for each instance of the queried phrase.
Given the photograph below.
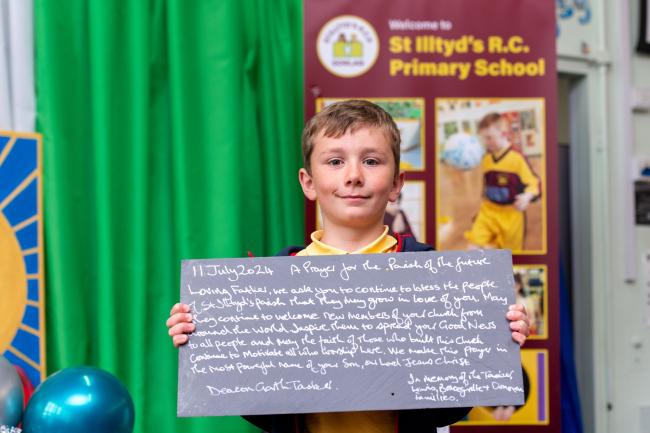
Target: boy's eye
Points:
(371, 161)
(335, 162)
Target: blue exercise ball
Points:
(11, 394)
(463, 151)
(80, 400)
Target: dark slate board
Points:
(344, 333)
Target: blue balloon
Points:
(80, 400)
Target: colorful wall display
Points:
(22, 336)
(472, 88)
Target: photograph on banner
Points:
(534, 411)
(408, 114)
(490, 174)
(406, 215)
(531, 291)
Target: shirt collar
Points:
(501, 153)
(385, 243)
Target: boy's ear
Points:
(398, 183)
(307, 184)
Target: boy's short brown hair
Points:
(350, 115)
(490, 119)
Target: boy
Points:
(351, 166)
(509, 185)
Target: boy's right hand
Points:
(180, 324)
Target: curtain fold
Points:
(171, 130)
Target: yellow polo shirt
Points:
(385, 243)
(350, 422)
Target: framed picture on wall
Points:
(644, 30)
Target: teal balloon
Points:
(80, 400)
(11, 394)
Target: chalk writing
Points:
(420, 329)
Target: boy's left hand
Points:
(519, 323)
(523, 200)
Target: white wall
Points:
(621, 351)
(630, 342)
(611, 277)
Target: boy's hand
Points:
(523, 200)
(519, 323)
(503, 413)
(180, 324)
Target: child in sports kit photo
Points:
(351, 156)
(509, 186)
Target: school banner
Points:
(472, 87)
(22, 336)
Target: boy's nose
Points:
(353, 175)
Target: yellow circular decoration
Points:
(13, 284)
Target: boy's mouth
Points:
(354, 199)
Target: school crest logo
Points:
(347, 46)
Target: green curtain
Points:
(171, 130)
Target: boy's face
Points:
(494, 138)
(353, 177)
